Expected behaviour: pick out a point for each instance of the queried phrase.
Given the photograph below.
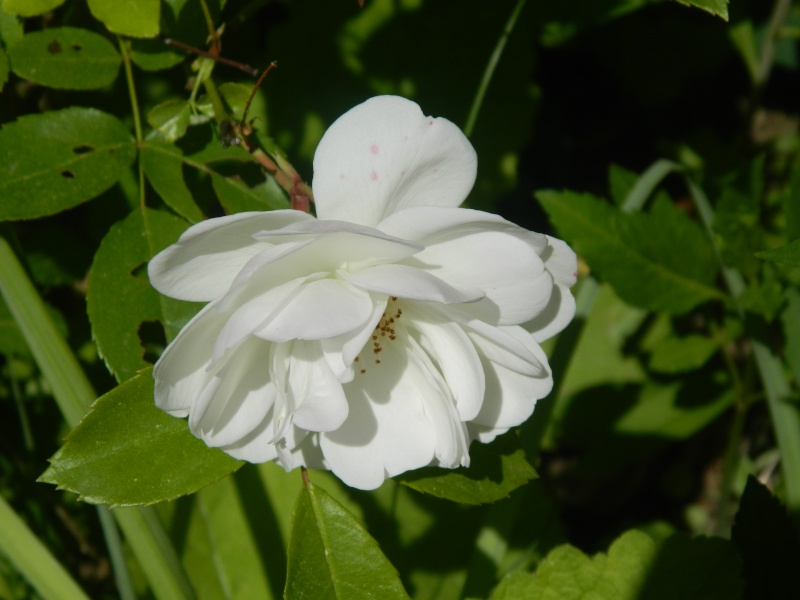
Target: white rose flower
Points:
(382, 336)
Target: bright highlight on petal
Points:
(383, 336)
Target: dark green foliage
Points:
(768, 540)
(671, 384)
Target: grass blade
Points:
(30, 557)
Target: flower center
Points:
(384, 333)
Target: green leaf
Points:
(79, 153)
(67, 383)
(11, 341)
(736, 222)
(659, 261)
(715, 7)
(136, 18)
(236, 196)
(790, 318)
(66, 58)
(636, 568)
(3, 69)
(514, 586)
(154, 55)
(180, 20)
(331, 555)
(31, 557)
(620, 183)
(788, 254)
(769, 544)
(170, 119)
(495, 470)
(673, 411)
(744, 40)
(763, 298)
(233, 193)
(675, 355)
(791, 206)
(127, 451)
(166, 176)
(30, 8)
(11, 30)
(119, 295)
(221, 551)
(567, 573)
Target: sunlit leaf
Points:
(127, 451)
(715, 7)
(331, 555)
(66, 58)
(636, 567)
(154, 55)
(675, 355)
(119, 295)
(163, 165)
(514, 586)
(30, 8)
(659, 261)
(53, 161)
(768, 540)
(170, 119)
(221, 552)
(136, 18)
(495, 470)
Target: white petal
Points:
(257, 448)
(561, 261)
(485, 435)
(387, 431)
(510, 394)
(340, 351)
(302, 255)
(318, 310)
(428, 224)
(358, 245)
(320, 401)
(308, 453)
(452, 447)
(385, 155)
(237, 398)
(181, 371)
(203, 263)
(555, 316)
(250, 316)
(455, 355)
(505, 267)
(499, 344)
(411, 283)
